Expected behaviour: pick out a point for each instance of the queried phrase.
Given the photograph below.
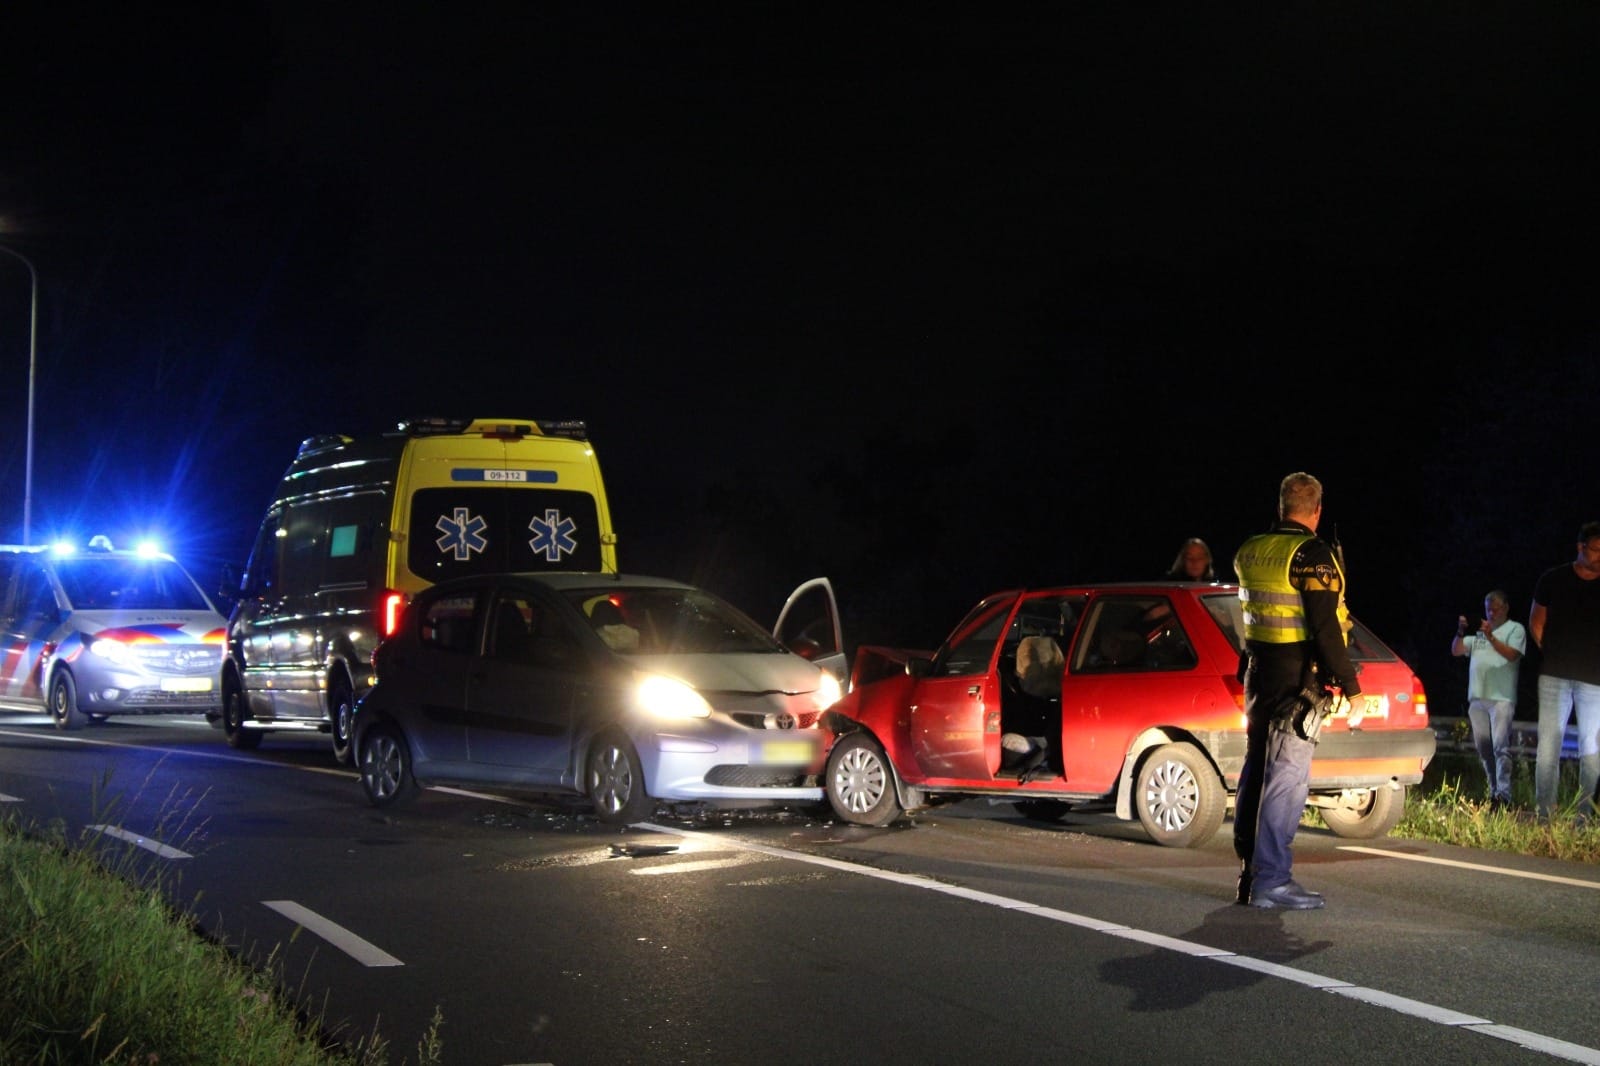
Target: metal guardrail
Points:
(1455, 734)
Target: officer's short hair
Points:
(1299, 494)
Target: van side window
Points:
(302, 551)
(350, 531)
(261, 572)
(447, 624)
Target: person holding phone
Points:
(1494, 651)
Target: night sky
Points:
(932, 304)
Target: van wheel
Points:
(385, 762)
(1375, 818)
(1178, 797)
(614, 780)
(64, 702)
(859, 782)
(233, 728)
(342, 708)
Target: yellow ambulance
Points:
(359, 525)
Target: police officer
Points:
(1291, 586)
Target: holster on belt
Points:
(1305, 713)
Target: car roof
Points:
(84, 553)
(1125, 586)
(562, 580)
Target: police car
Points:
(89, 633)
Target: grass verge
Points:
(96, 966)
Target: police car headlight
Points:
(663, 697)
(828, 692)
(114, 650)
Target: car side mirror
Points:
(917, 666)
(805, 647)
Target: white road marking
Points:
(362, 951)
(1560, 1049)
(9, 799)
(1576, 882)
(134, 838)
(477, 795)
(194, 752)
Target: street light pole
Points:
(33, 337)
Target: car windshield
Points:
(109, 582)
(670, 621)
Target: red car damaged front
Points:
(1119, 697)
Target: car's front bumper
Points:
(744, 765)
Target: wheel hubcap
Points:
(858, 780)
(611, 780)
(383, 767)
(1171, 796)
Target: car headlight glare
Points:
(828, 692)
(664, 697)
(115, 650)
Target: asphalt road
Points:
(966, 935)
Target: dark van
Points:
(359, 525)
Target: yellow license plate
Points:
(788, 751)
(185, 684)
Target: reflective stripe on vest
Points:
(1273, 610)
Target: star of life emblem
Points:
(552, 536)
(462, 534)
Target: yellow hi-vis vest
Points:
(1273, 610)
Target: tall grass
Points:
(96, 966)
(1449, 808)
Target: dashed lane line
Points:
(363, 951)
(189, 752)
(164, 850)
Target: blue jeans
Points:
(1558, 697)
(1491, 735)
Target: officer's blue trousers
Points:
(1276, 774)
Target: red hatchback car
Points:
(1116, 697)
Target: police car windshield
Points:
(106, 583)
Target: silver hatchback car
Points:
(626, 690)
(91, 633)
